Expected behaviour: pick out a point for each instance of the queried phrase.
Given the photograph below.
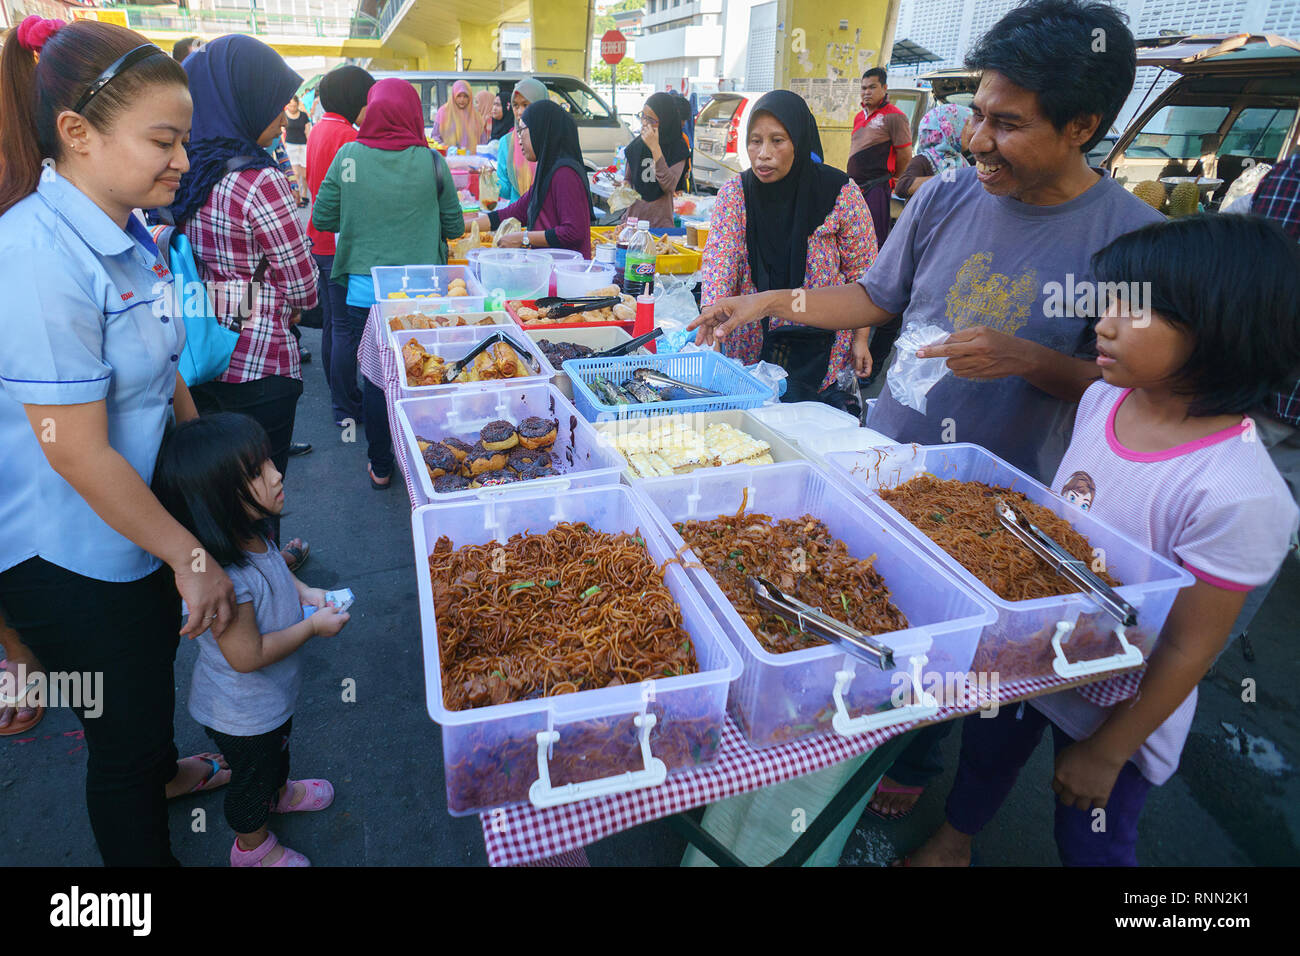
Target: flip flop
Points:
(375, 483)
(209, 782)
(299, 554)
(901, 789)
(21, 727)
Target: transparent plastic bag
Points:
(675, 308)
(773, 376)
(910, 378)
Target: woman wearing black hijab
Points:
(503, 118)
(789, 221)
(657, 161)
(556, 209)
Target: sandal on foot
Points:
(212, 779)
(255, 856)
(899, 789)
(19, 725)
(297, 555)
(318, 795)
(376, 483)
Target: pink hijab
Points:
(459, 127)
(394, 119)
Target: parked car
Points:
(600, 132)
(1234, 104)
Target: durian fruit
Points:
(1152, 193)
(1184, 200)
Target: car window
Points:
(1178, 132)
(579, 101)
(1258, 132)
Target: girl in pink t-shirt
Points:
(1161, 451)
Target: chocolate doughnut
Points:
(481, 460)
(538, 432)
(458, 448)
(449, 483)
(502, 476)
(522, 458)
(440, 460)
(499, 436)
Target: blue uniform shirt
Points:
(85, 316)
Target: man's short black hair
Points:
(181, 49)
(879, 73)
(1077, 55)
(1233, 282)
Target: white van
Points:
(600, 132)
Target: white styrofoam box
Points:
(739, 418)
(417, 282)
(599, 339)
(782, 697)
(580, 455)
(454, 344)
(1020, 643)
(819, 429)
(491, 754)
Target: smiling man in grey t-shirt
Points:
(991, 253)
(999, 256)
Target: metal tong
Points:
(1064, 563)
(631, 345)
(815, 621)
(557, 307)
(660, 380)
(455, 368)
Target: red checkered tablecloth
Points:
(378, 362)
(522, 834)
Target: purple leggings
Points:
(993, 749)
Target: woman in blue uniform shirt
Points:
(88, 383)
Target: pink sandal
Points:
(255, 856)
(319, 795)
(917, 791)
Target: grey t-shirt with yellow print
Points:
(960, 257)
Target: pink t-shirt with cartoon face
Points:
(1216, 505)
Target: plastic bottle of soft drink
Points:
(621, 241)
(639, 276)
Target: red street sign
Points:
(613, 47)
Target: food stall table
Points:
(525, 835)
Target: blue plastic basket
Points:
(736, 388)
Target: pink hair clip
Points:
(34, 31)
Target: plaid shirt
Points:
(1278, 198)
(252, 213)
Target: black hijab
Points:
(780, 216)
(506, 123)
(554, 136)
(671, 145)
(343, 91)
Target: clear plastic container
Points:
(392, 308)
(819, 429)
(576, 279)
(514, 273)
(741, 419)
(1026, 641)
(598, 338)
(582, 458)
(430, 285)
(492, 755)
(782, 697)
(555, 255)
(453, 345)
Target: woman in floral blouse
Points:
(788, 222)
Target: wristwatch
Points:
(526, 242)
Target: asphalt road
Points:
(1236, 800)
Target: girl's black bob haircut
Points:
(204, 469)
(1234, 283)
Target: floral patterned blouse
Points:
(840, 250)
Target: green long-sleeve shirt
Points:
(387, 208)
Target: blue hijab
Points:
(239, 85)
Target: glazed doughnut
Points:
(458, 448)
(440, 460)
(499, 435)
(481, 460)
(449, 483)
(537, 432)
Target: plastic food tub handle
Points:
(531, 487)
(1130, 656)
(925, 707)
(543, 795)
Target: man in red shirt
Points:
(342, 93)
(880, 149)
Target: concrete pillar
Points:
(823, 48)
(561, 36)
(478, 45)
